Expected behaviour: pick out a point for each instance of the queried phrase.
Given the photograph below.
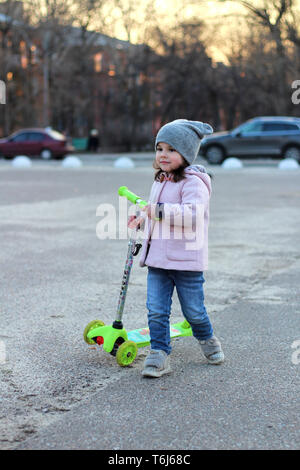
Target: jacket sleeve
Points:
(195, 199)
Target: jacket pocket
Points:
(177, 251)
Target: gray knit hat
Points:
(184, 136)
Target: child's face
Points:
(167, 158)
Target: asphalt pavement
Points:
(57, 275)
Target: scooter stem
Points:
(133, 249)
(125, 280)
(131, 252)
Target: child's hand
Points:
(150, 210)
(135, 222)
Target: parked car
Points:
(266, 136)
(45, 143)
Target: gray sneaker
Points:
(212, 350)
(157, 363)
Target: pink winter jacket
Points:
(180, 240)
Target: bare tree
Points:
(272, 16)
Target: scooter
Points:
(114, 338)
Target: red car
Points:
(45, 143)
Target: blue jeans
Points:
(189, 287)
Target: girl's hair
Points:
(177, 174)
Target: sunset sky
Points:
(169, 11)
(223, 19)
(226, 16)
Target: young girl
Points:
(175, 242)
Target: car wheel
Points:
(292, 152)
(46, 154)
(215, 154)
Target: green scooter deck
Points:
(141, 336)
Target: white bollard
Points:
(21, 161)
(232, 163)
(288, 164)
(71, 162)
(124, 162)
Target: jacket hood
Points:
(200, 172)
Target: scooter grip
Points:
(124, 191)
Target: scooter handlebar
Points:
(124, 191)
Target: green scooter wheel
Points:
(89, 326)
(126, 353)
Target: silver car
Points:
(266, 136)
